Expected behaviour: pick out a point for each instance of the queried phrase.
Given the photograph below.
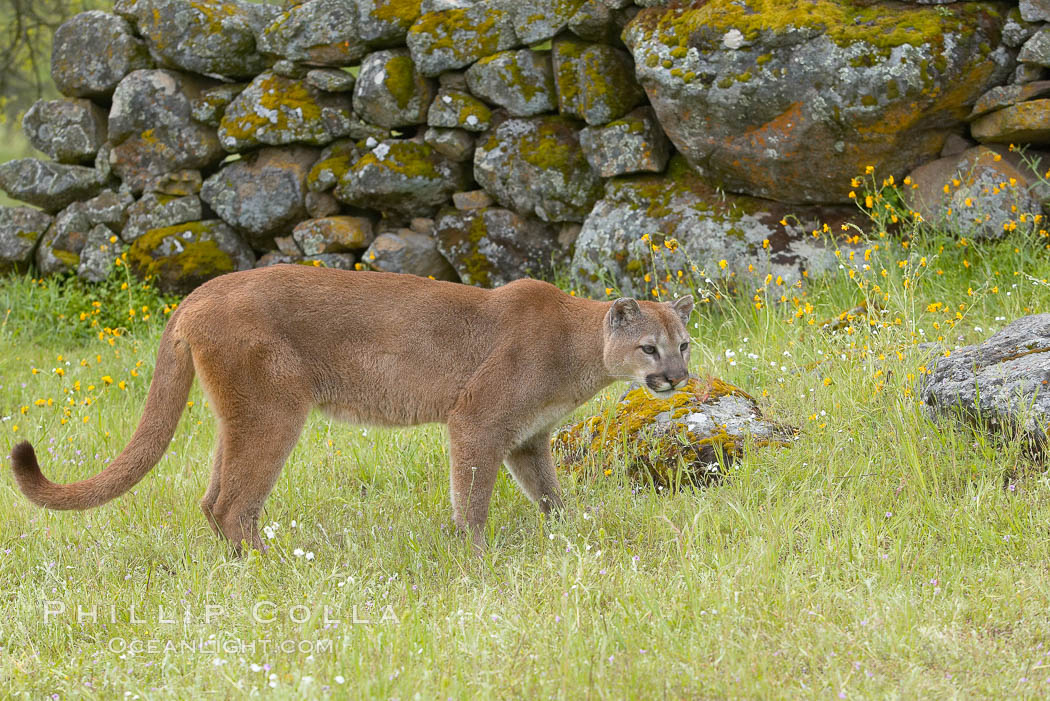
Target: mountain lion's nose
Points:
(678, 382)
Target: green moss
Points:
(68, 258)
(292, 101)
(407, 158)
(477, 266)
(401, 79)
(400, 12)
(869, 101)
(200, 256)
(550, 147)
(337, 165)
(764, 59)
(459, 31)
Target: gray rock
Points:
(406, 251)
(50, 186)
(70, 131)
(287, 246)
(262, 194)
(1007, 95)
(178, 183)
(633, 144)
(331, 166)
(333, 235)
(538, 20)
(455, 144)
(1037, 49)
(278, 258)
(521, 81)
(493, 246)
(390, 92)
(340, 261)
(92, 52)
(321, 204)
(109, 208)
(734, 238)
(598, 22)
(1017, 31)
(402, 178)
(1035, 10)
(59, 251)
(758, 112)
(180, 258)
(999, 384)
(536, 166)
(474, 199)
(385, 23)
(20, 230)
(288, 69)
(156, 211)
(331, 80)
(98, 257)
(458, 109)
(456, 37)
(216, 39)
(152, 131)
(275, 110)
(319, 33)
(595, 82)
(1028, 73)
(209, 106)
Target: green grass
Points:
(881, 556)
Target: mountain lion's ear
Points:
(623, 311)
(683, 306)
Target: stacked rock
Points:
(486, 140)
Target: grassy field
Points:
(881, 556)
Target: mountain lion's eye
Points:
(685, 347)
(649, 350)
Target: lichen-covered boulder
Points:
(981, 193)
(152, 131)
(99, 255)
(680, 221)
(790, 100)
(457, 109)
(402, 177)
(537, 20)
(92, 52)
(1036, 51)
(70, 131)
(455, 144)
(600, 21)
(1008, 95)
(20, 230)
(595, 82)
(493, 246)
(319, 33)
(384, 23)
(211, 103)
(1035, 10)
(276, 110)
(59, 250)
(50, 186)
(180, 258)
(521, 81)
(262, 194)
(332, 164)
(156, 211)
(632, 144)
(458, 36)
(999, 384)
(536, 166)
(331, 79)
(211, 37)
(333, 235)
(1025, 122)
(109, 208)
(407, 251)
(687, 439)
(390, 92)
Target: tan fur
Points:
(499, 367)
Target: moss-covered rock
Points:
(333, 235)
(59, 250)
(319, 33)
(536, 166)
(457, 37)
(454, 144)
(595, 82)
(403, 178)
(457, 109)
(92, 52)
(520, 81)
(276, 110)
(632, 144)
(390, 92)
(211, 103)
(791, 99)
(537, 20)
(335, 160)
(491, 246)
(384, 23)
(1023, 123)
(20, 230)
(180, 258)
(50, 186)
(689, 438)
(156, 211)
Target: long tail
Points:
(168, 391)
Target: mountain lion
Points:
(500, 367)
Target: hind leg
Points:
(532, 465)
(253, 454)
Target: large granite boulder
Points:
(92, 52)
(390, 92)
(152, 131)
(407, 251)
(20, 230)
(595, 82)
(458, 36)
(211, 37)
(520, 81)
(1000, 384)
(493, 246)
(48, 185)
(263, 194)
(180, 258)
(679, 220)
(689, 438)
(276, 110)
(790, 104)
(319, 33)
(70, 131)
(536, 166)
(403, 178)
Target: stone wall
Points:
(485, 140)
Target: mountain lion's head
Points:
(648, 342)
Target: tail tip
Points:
(23, 459)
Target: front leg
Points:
(532, 465)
